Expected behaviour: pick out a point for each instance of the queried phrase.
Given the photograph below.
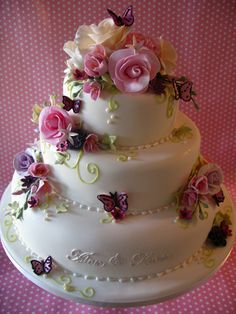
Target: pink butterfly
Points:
(126, 19)
(183, 90)
(115, 203)
(71, 104)
(43, 267)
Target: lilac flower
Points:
(28, 181)
(33, 201)
(22, 161)
(186, 213)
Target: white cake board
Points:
(145, 292)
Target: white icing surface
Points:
(138, 247)
(150, 178)
(138, 120)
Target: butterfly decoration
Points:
(42, 267)
(116, 204)
(183, 90)
(71, 104)
(126, 19)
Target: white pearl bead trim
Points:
(101, 210)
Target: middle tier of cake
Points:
(150, 175)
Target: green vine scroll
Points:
(170, 106)
(92, 168)
(10, 236)
(66, 282)
(113, 104)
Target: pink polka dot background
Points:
(32, 62)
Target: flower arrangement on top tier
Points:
(202, 188)
(64, 131)
(109, 55)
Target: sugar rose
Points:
(106, 33)
(132, 70)
(53, 122)
(38, 170)
(95, 63)
(214, 176)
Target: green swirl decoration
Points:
(106, 220)
(170, 107)
(88, 292)
(122, 157)
(113, 104)
(92, 168)
(10, 236)
(65, 281)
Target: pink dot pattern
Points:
(32, 64)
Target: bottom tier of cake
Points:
(89, 244)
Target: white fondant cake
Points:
(116, 188)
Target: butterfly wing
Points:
(47, 265)
(122, 201)
(127, 17)
(37, 267)
(108, 202)
(176, 90)
(68, 103)
(185, 91)
(117, 19)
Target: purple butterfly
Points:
(126, 19)
(43, 267)
(71, 104)
(115, 203)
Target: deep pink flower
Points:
(62, 147)
(53, 122)
(189, 198)
(186, 213)
(92, 88)
(33, 201)
(38, 170)
(91, 144)
(95, 63)
(79, 75)
(214, 176)
(199, 184)
(132, 70)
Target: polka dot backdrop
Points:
(32, 62)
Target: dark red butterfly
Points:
(126, 19)
(116, 204)
(71, 104)
(42, 267)
(183, 90)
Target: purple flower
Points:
(186, 213)
(28, 181)
(22, 161)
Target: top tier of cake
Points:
(121, 82)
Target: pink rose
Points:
(91, 144)
(95, 61)
(189, 198)
(132, 70)
(38, 170)
(214, 176)
(199, 184)
(92, 88)
(53, 122)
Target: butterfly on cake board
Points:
(42, 267)
(115, 204)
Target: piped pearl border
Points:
(146, 146)
(101, 210)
